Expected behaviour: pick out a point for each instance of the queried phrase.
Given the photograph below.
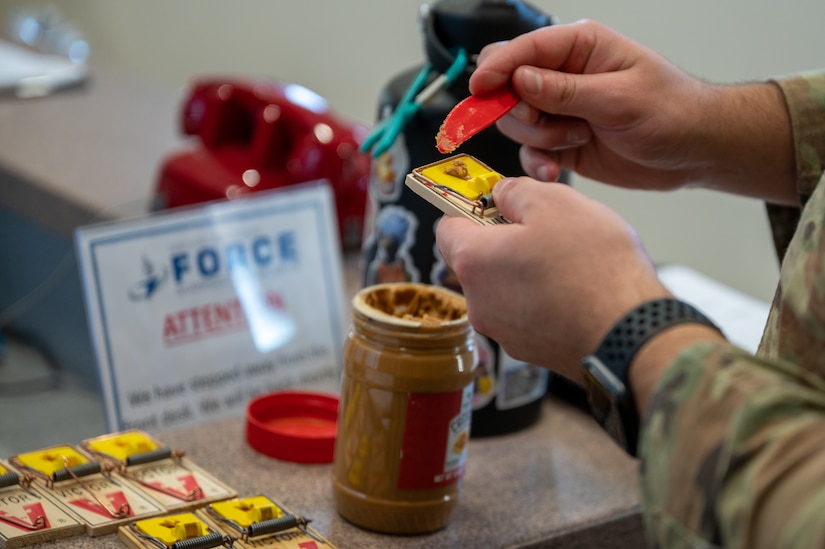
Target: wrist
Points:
(653, 359)
(647, 338)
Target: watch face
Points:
(605, 393)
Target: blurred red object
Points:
(259, 135)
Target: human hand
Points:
(550, 285)
(597, 103)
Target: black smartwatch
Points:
(605, 372)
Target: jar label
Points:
(434, 449)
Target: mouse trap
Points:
(85, 487)
(459, 186)
(26, 516)
(160, 472)
(258, 521)
(177, 531)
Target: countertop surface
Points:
(559, 483)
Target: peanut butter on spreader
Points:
(405, 408)
(471, 115)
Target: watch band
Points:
(635, 328)
(616, 353)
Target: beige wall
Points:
(346, 50)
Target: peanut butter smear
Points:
(415, 302)
(458, 169)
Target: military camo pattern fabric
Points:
(733, 451)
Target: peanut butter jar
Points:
(405, 408)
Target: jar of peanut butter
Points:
(405, 408)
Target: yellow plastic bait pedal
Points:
(122, 446)
(52, 464)
(247, 511)
(172, 529)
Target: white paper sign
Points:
(193, 312)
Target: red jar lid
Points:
(296, 426)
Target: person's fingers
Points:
(525, 113)
(544, 131)
(488, 50)
(581, 47)
(453, 234)
(520, 198)
(585, 96)
(540, 164)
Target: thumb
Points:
(559, 92)
(515, 197)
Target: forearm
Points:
(745, 143)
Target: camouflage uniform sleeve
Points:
(733, 448)
(805, 97)
(732, 454)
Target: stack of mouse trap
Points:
(150, 494)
